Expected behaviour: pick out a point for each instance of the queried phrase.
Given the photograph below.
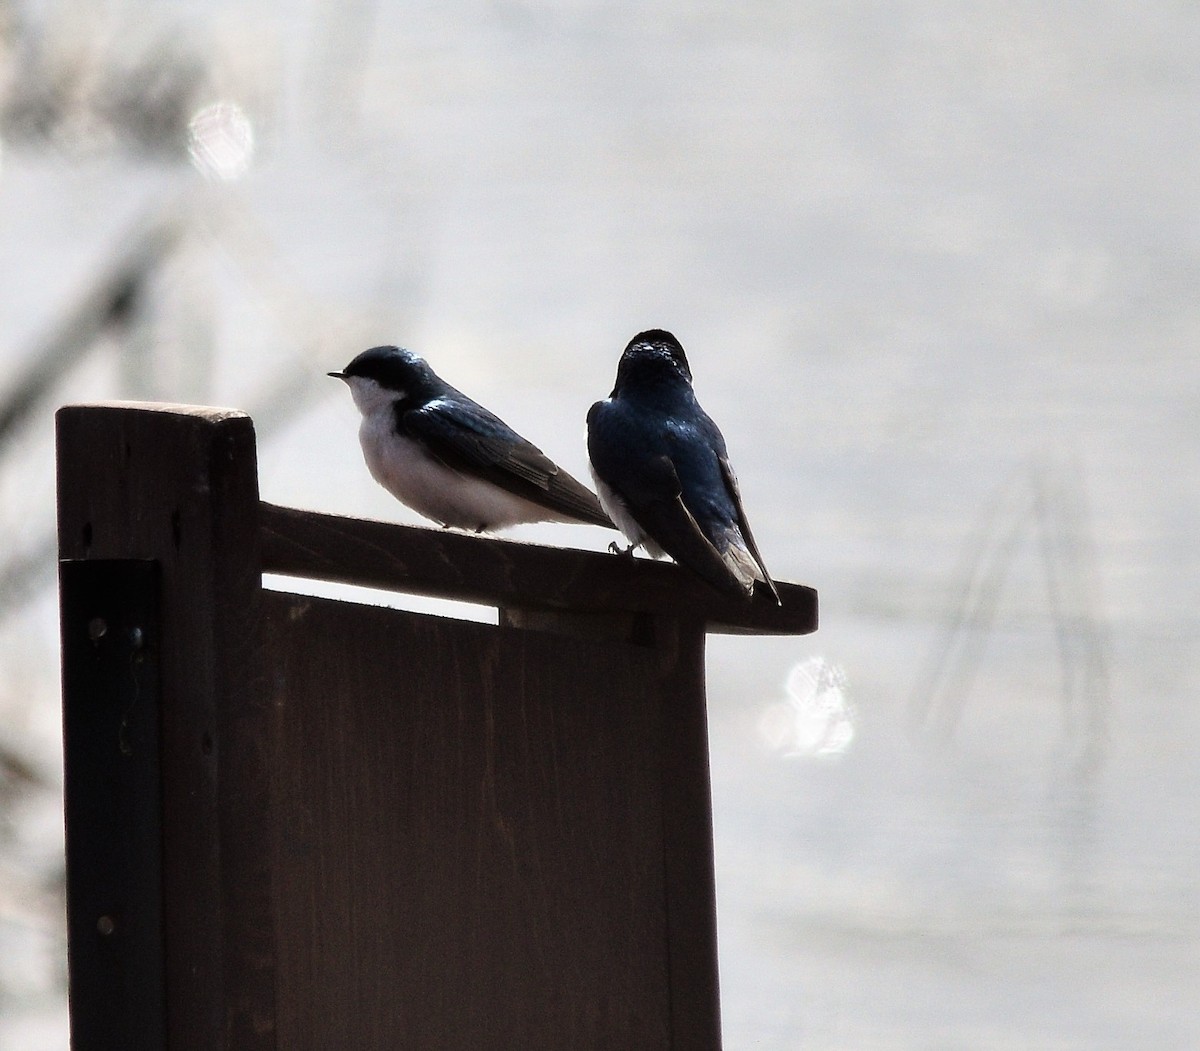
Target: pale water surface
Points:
(936, 270)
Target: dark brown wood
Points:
(506, 573)
(675, 646)
(179, 486)
(113, 805)
(688, 837)
(469, 835)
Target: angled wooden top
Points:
(506, 573)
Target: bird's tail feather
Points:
(743, 563)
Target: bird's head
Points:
(383, 375)
(654, 357)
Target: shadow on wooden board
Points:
(347, 826)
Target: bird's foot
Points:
(625, 552)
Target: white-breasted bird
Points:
(449, 458)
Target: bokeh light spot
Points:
(816, 718)
(221, 141)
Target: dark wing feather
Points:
(471, 440)
(735, 494)
(672, 526)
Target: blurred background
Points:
(935, 266)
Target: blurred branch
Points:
(25, 573)
(109, 305)
(1050, 502)
(112, 306)
(18, 774)
(95, 83)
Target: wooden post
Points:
(111, 742)
(381, 829)
(179, 487)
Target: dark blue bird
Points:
(447, 457)
(662, 472)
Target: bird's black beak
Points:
(336, 375)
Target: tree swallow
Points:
(448, 458)
(662, 471)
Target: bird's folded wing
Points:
(673, 527)
(731, 484)
(470, 440)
